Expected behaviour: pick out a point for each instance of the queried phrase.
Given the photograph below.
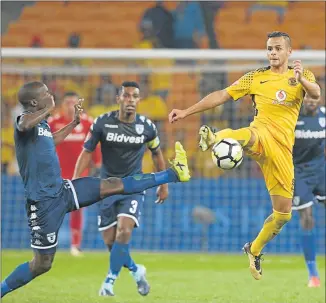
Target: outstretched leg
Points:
(90, 192)
(26, 272)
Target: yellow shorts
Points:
(275, 160)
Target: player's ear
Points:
(34, 102)
(117, 99)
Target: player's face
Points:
(43, 97)
(278, 51)
(310, 104)
(68, 105)
(128, 100)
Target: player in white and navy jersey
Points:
(309, 163)
(124, 136)
(48, 196)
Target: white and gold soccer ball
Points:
(227, 154)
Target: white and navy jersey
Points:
(38, 162)
(310, 138)
(122, 144)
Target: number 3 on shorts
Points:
(133, 207)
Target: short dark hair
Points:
(28, 92)
(127, 84)
(280, 34)
(70, 94)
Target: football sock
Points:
(130, 264)
(272, 226)
(140, 182)
(18, 278)
(309, 251)
(118, 257)
(242, 135)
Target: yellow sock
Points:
(272, 226)
(242, 135)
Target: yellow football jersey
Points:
(277, 100)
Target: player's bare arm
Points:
(162, 191)
(30, 120)
(210, 101)
(61, 134)
(83, 162)
(312, 89)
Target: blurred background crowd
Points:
(148, 25)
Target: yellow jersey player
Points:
(277, 92)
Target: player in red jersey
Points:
(68, 152)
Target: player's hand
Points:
(176, 114)
(78, 110)
(162, 193)
(298, 69)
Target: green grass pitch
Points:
(174, 278)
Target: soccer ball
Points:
(227, 154)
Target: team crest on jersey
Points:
(139, 128)
(322, 121)
(51, 237)
(292, 81)
(280, 95)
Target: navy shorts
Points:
(309, 185)
(116, 206)
(46, 216)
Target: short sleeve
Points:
(153, 141)
(309, 76)
(94, 136)
(242, 87)
(31, 132)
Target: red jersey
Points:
(70, 149)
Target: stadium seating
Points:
(120, 18)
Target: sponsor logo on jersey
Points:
(139, 128)
(322, 121)
(111, 125)
(44, 132)
(292, 81)
(280, 95)
(308, 134)
(114, 137)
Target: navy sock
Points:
(18, 278)
(118, 257)
(141, 182)
(309, 251)
(130, 264)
